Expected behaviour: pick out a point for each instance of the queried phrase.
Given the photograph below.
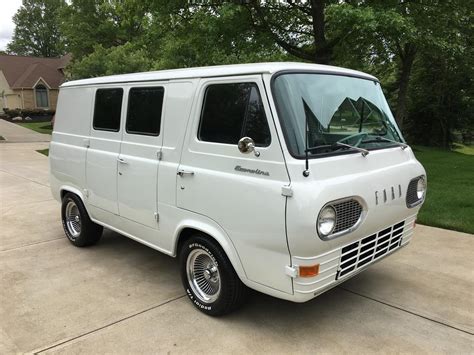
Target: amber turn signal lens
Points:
(309, 271)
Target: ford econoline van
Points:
(286, 178)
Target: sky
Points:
(7, 10)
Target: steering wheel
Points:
(361, 136)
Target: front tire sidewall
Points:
(206, 307)
(65, 202)
(90, 232)
(220, 305)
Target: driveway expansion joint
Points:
(68, 340)
(407, 311)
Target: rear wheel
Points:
(78, 227)
(208, 277)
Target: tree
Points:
(37, 29)
(114, 60)
(109, 23)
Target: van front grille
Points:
(347, 214)
(370, 248)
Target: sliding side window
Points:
(144, 110)
(107, 109)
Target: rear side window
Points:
(233, 111)
(107, 109)
(144, 110)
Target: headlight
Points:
(420, 188)
(416, 191)
(326, 221)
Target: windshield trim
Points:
(283, 128)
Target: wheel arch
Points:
(63, 190)
(188, 228)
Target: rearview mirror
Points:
(246, 145)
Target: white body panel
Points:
(262, 231)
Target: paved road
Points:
(13, 133)
(122, 297)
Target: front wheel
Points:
(78, 227)
(208, 277)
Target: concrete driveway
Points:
(122, 297)
(13, 133)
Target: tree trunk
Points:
(322, 52)
(407, 58)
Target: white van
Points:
(286, 178)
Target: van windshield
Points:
(320, 111)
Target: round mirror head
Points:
(246, 145)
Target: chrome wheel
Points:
(203, 275)
(73, 219)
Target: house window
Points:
(41, 96)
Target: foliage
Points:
(11, 113)
(212, 36)
(36, 29)
(114, 60)
(43, 151)
(95, 24)
(450, 195)
(420, 50)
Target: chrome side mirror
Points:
(246, 145)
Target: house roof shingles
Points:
(24, 72)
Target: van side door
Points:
(241, 192)
(104, 147)
(138, 161)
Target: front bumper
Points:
(346, 260)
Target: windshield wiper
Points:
(338, 145)
(378, 139)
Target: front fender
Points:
(211, 228)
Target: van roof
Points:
(215, 71)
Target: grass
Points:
(450, 197)
(44, 151)
(40, 127)
(465, 149)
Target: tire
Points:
(77, 225)
(209, 278)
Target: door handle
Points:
(182, 172)
(121, 161)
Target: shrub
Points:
(37, 114)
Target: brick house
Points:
(30, 82)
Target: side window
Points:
(107, 109)
(233, 111)
(144, 110)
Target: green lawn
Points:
(450, 196)
(44, 151)
(40, 127)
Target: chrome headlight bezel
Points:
(336, 230)
(416, 191)
(421, 188)
(326, 221)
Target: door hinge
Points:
(86, 193)
(86, 142)
(292, 271)
(157, 216)
(159, 155)
(287, 191)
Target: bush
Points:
(36, 114)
